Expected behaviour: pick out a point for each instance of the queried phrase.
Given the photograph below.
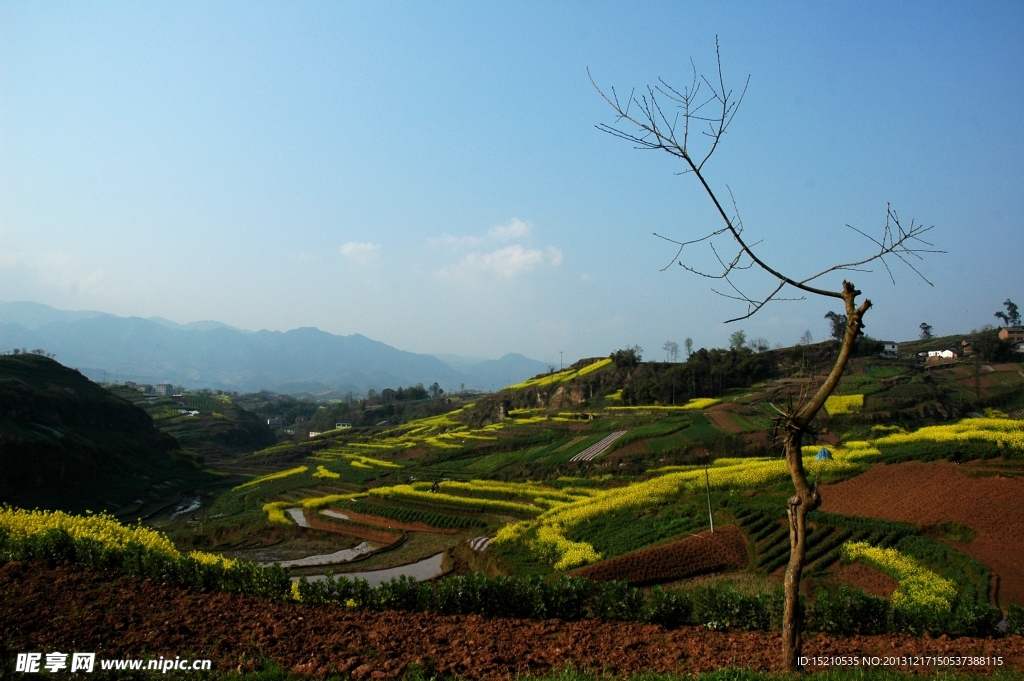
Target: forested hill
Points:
(67, 443)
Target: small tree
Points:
(837, 322)
(737, 339)
(689, 347)
(662, 118)
(926, 331)
(627, 357)
(1012, 315)
(806, 338)
(759, 344)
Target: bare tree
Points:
(689, 124)
(671, 349)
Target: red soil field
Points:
(63, 607)
(719, 417)
(867, 578)
(931, 493)
(388, 523)
(317, 522)
(697, 555)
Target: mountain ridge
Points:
(211, 354)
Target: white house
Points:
(945, 353)
(890, 348)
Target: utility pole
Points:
(707, 486)
(559, 360)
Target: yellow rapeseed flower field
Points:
(322, 472)
(918, 586)
(102, 528)
(272, 476)
(843, 404)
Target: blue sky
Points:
(429, 174)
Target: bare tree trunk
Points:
(799, 505)
(806, 498)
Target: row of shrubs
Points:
(845, 611)
(242, 577)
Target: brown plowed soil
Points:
(931, 493)
(348, 529)
(388, 523)
(697, 555)
(719, 417)
(867, 578)
(68, 608)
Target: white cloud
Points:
(505, 263)
(360, 251)
(488, 256)
(513, 229)
(510, 231)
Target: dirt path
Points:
(69, 608)
(931, 493)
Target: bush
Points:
(974, 619)
(616, 600)
(670, 609)
(1015, 620)
(727, 608)
(847, 612)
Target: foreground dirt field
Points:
(931, 493)
(45, 608)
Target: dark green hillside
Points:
(219, 432)
(67, 443)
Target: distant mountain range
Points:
(209, 354)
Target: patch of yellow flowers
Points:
(102, 528)
(1001, 432)
(918, 586)
(561, 376)
(843, 404)
(272, 476)
(322, 472)
(696, 404)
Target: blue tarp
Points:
(823, 455)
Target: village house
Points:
(937, 356)
(890, 348)
(1014, 334)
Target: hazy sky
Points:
(429, 174)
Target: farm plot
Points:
(721, 417)
(696, 555)
(385, 523)
(595, 450)
(350, 528)
(929, 494)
